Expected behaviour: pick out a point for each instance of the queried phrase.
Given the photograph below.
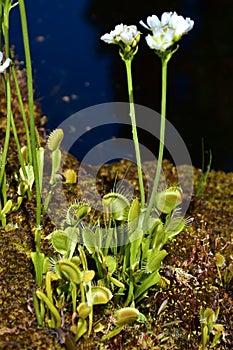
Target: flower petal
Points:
(144, 25)
(118, 29)
(5, 65)
(153, 22)
(180, 24)
(129, 35)
(161, 39)
(151, 42)
(165, 18)
(1, 56)
(108, 38)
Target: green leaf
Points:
(60, 242)
(82, 212)
(54, 311)
(150, 281)
(40, 161)
(89, 240)
(116, 206)
(7, 207)
(166, 201)
(66, 269)
(29, 178)
(112, 333)
(117, 283)
(219, 260)
(126, 315)
(56, 161)
(100, 295)
(154, 260)
(38, 262)
(110, 263)
(173, 227)
(84, 310)
(54, 140)
(217, 331)
(205, 336)
(81, 328)
(135, 239)
(133, 215)
(73, 235)
(88, 275)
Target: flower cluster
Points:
(167, 31)
(127, 37)
(5, 65)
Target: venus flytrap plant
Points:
(139, 253)
(5, 210)
(228, 276)
(74, 286)
(127, 241)
(220, 262)
(210, 330)
(54, 141)
(129, 270)
(123, 273)
(124, 316)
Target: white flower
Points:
(128, 35)
(167, 31)
(165, 18)
(161, 40)
(180, 25)
(111, 38)
(5, 65)
(154, 23)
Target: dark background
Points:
(74, 69)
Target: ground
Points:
(190, 275)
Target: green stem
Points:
(10, 119)
(164, 61)
(5, 31)
(1, 21)
(7, 134)
(21, 160)
(134, 130)
(31, 113)
(130, 295)
(52, 308)
(18, 92)
(39, 317)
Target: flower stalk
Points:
(164, 61)
(31, 116)
(134, 130)
(127, 37)
(5, 31)
(165, 34)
